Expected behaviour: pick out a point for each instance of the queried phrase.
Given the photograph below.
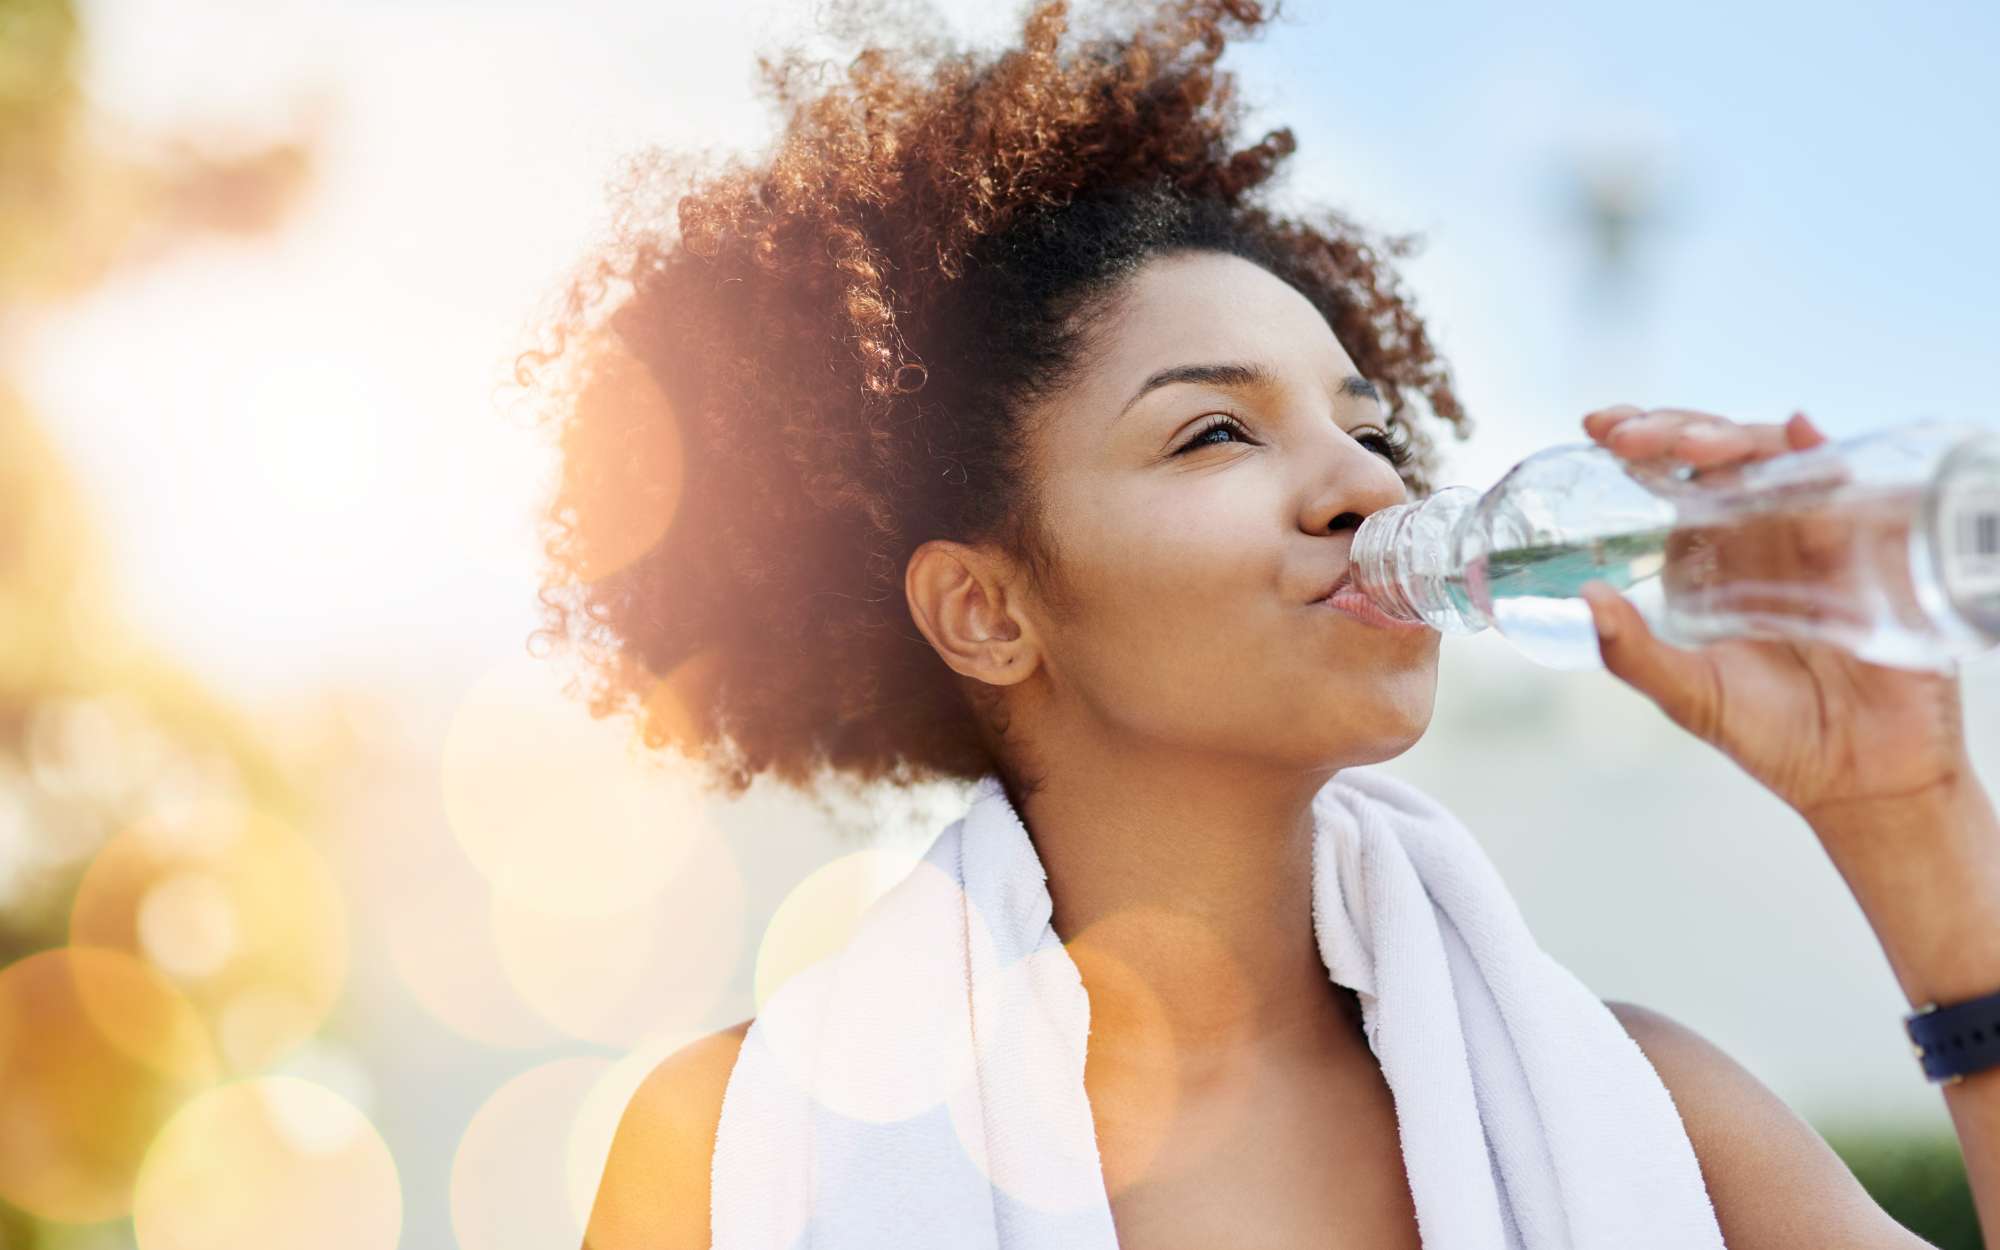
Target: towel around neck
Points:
(923, 1086)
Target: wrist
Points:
(1956, 796)
(1925, 869)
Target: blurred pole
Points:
(1609, 196)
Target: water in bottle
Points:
(1886, 544)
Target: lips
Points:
(1345, 598)
(1338, 586)
(1359, 606)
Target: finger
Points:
(1680, 683)
(1697, 439)
(1650, 433)
(1708, 446)
(1601, 422)
(1802, 434)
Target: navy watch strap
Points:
(1955, 1040)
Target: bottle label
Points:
(1970, 519)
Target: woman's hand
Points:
(1823, 729)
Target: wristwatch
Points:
(1955, 1040)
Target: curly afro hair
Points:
(763, 406)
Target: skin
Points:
(1175, 702)
(1180, 698)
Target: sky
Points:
(303, 459)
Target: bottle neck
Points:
(1404, 558)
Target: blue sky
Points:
(1829, 171)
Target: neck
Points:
(1183, 891)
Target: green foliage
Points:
(1916, 1175)
(39, 104)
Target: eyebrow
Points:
(1236, 374)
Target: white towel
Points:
(923, 1087)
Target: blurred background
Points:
(326, 919)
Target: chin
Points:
(1389, 749)
(1386, 727)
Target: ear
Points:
(965, 601)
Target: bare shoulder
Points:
(654, 1193)
(1774, 1181)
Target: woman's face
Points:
(1190, 555)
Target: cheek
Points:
(1178, 621)
(1181, 629)
(1166, 576)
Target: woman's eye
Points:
(1220, 425)
(1384, 444)
(1395, 452)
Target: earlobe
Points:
(958, 596)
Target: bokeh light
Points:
(19, 849)
(97, 1050)
(268, 1161)
(1057, 1167)
(676, 704)
(635, 484)
(660, 966)
(187, 925)
(837, 1045)
(597, 1117)
(97, 746)
(563, 813)
(436, 921)
(197, 804)
(820, 913)
(254, 928)
(510, 1186)
(1143, 1078)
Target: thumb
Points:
(1681, 682)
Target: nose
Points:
(1352, 483)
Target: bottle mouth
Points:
(1366, 574)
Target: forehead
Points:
(1201, 306)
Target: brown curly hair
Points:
(762, 413)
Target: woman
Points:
(995, 425)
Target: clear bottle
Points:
(1886, 544)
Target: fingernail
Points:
(1598, 596)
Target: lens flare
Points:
(97, 1050)
(1055, 1168)
(675, 703)
(564, 813)
(826, 1042)
(438, 926)
(627, 459)
(254, 931)
(187, 925)
(820, 913)
(510, 1188)
(197, 806)
(269, 1161)
(658, 967)
(598, 1115)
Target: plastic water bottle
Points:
(1886, 544)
